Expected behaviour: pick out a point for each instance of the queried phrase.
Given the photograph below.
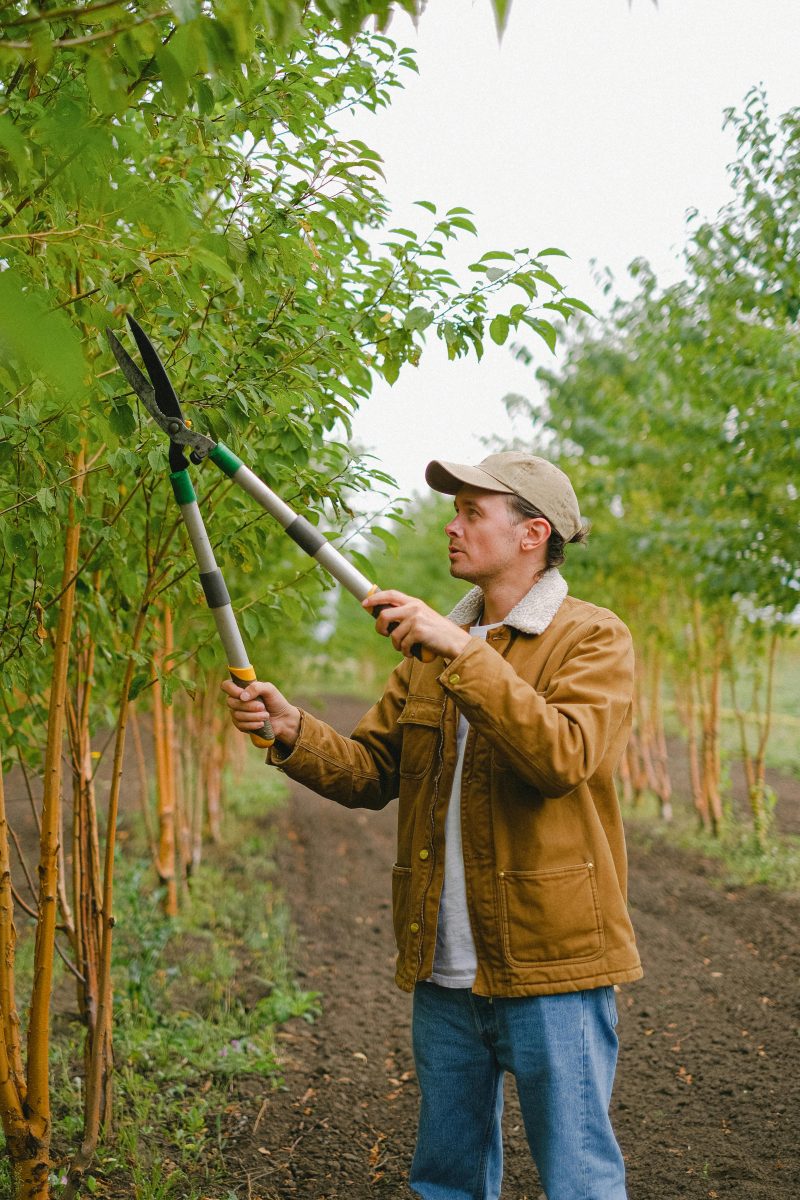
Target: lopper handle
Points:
(265, 736)
(418, 650)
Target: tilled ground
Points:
(707, 1100)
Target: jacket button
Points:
(455, 679)
(414, 927)
(424, 854)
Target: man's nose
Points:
(452, 527)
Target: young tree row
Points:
(184, 163)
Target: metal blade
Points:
(172, 424)
(141, 385)
(167, 410)
(166, 398)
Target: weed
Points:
(739, 849)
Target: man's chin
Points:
(460, 570)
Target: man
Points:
(509, 892)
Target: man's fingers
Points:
(391, 597)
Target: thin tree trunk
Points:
(758, 793)
(12, 1087)
(165, 800)
(690, 721)
(663, 783)
(712, 769)
(144, 787)
(709, 677)
(754, 763)
(212, 771)
(87, 880)
(34, 1169)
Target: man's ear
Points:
(537, 533)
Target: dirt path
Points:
(708, 1090)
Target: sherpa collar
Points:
(532, 614)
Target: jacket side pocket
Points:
(551, 916)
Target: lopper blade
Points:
(165, 396)
(141, 385)
(158, 396)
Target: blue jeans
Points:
(561, 1049)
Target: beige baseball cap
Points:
(516, 473)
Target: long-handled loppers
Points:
(158, 397)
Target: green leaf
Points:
(175, 83)
(204, 97)
(139, 682)
(46, 499)
(383, 535)
(15, 146)
(502, 10)
(417, 318)
(122, 420)
(214, 263)
(106, 93)
(498, 329)
(390, 369)
(573, 302)
(427, 204)
(544, 329)
(463, 223)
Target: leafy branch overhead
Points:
(194, 172)
(43, 32)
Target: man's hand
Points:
(247, 710)
(416, 624)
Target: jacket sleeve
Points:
(360, 771)
(554, 739)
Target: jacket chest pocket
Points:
(421, 722)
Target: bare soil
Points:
(707, 1099)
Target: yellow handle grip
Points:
(265, 736)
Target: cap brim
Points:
(448, 477)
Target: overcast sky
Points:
(594, 126)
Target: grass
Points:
(197, 1003)
(742, 861)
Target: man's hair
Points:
(521, 510)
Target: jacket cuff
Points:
(279, 754)
(450, 678)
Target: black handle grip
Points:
(418, 650)
(265, 736)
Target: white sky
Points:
(594, 127)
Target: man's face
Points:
(484, 540)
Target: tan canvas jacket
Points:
(544, 850)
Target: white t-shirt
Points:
(455, 962)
